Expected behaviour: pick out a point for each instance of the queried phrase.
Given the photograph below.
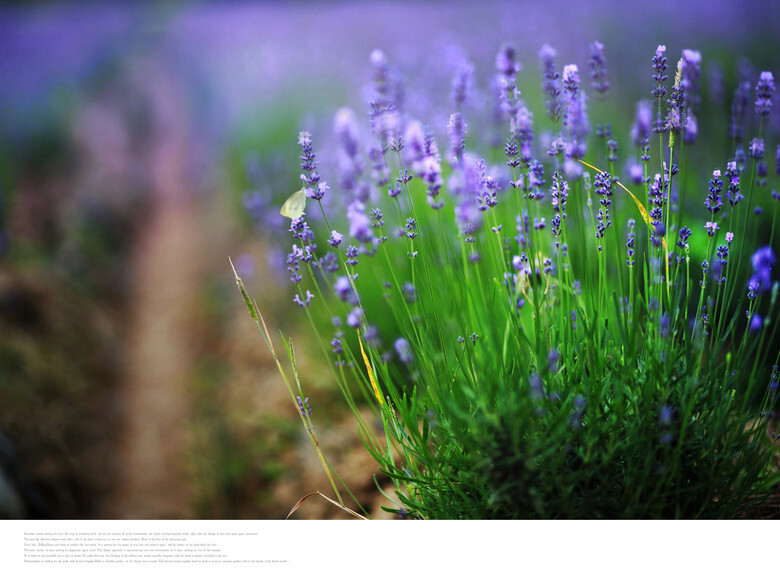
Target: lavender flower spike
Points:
(404, 351)
(598, 68)
(551, 82)
(763, 260)
(764, 91)
(303, 406)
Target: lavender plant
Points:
(537, 339)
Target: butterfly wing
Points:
(295, 204)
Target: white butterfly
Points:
(295, 204)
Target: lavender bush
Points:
(537, 338)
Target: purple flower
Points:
(777, 160)
(559, 193)
(303, 406)
(663, 327)
(739, 110)
(343, 289)
(756, 149)
(713, 201)
(376, 218)
(636, 174)
(705, 267)
(537, 388)
(411, 228)
(640, 131)
(335, 238)
(683, 235)
(423, 154)
(756, 322)
(359, 225)
(551, 82)
(765, 88)
(575, 420)
(510, 151)
(665, 416)
(762, 260)
(552, 360)
(354, 317)
(575, 117)
(352, 253)
(630, 242)
(676, 115)
(598, 68)
(719, 263)
(345, 126)
(733, 194)
(404, 351)
(659, 72)
(308, 162)
(711, 228)
(409, 292)
(457, 129)
(506, 64)
(329, 262)
(309, 297)
(461, 84)
(336, 344)
(603, 188)
(612, 148)
(691, 128)
(752, 289)
(521, 127)
(350, 165)
(691, 73)
(571, 78)
(415, 143)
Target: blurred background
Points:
(142, 144)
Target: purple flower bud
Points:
(739, 111)
(343, 289)
(355, 317)
(640, 131)
(457, 129)
(505, 62)
(303, 406)
(659, 75)
(665, 416)
(552, 360)
(684, 234)
(765, 88)
(404, 351)
(551, 82)
(461, 84)
(359, 225)
(309, 297)
(763, 261)
(335, 238)
(345, 125)
(691, 73)
(756, 149)
(598, 68)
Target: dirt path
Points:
(153, 475)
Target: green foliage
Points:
(545, 377)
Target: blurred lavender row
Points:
(241, 56)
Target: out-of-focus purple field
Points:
(132, 138)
